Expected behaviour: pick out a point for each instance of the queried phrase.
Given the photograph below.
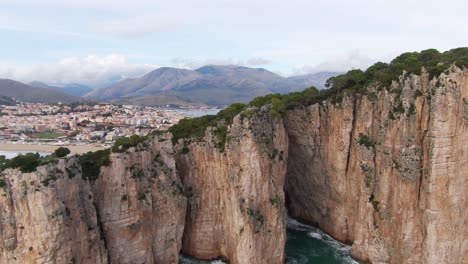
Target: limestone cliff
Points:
(141, 204)
(133, 213)
(236, 208)
(48, 216)
(386, 171)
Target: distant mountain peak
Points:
(210, 84)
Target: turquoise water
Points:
(310, 245)
(305, 245)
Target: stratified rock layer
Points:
(387, 171)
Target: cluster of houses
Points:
(83, 123)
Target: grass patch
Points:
(47, 135)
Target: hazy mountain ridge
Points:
(72, 88)
(26, 93)
(211, 84)
(5, 100)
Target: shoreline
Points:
(47, 148)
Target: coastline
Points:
(48, 148)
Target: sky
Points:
(94, 42)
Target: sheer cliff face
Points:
(141, 205)
(386, 171)
(48, 216)
(236, 208)
(133, 213)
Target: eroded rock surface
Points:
(386, 171)
(141, 205)
(48, 216)
(236, 208)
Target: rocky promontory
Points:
(378, 161)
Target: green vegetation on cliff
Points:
(30, 161)
(92, 162)
(412, 62)
(354, 81)
(124, 143)
(195, 127)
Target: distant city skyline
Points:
(96, 42)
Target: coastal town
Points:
(97, 125)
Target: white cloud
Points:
(258, 61)
(340, 63)
(196, 62)
(93, 70)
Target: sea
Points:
(11, 154)
(198, 112)
(305, 245)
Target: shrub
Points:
(61, 152)
(275, 201)
(124, 143)
(255, 215)
(411, 110)
(92, 162)
(366, 141)
(374, 203)
(195, 127)
(141, 196)
(26, 163)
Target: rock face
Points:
(387, 171)
(133, 213)
(48, 216)
(236, 208)
(141, 206)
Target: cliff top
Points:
(355, 81)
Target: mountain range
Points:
(27, 93)
(72, 88)
(211, 84)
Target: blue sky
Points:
(92, 42)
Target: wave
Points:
(188, 260)
(342, 251)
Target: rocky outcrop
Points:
(386, 171)
(133, 213)
(236, 205)
(141, 204)
(48, 216)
